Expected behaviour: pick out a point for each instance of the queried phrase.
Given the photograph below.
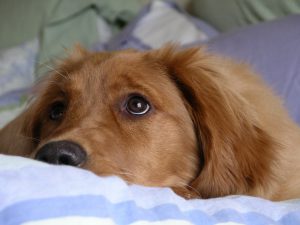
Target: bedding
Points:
(236, 13)
(34, 193)
(29, 18)
(145, 31)
(16, 76)
(59, 25)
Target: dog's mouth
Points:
(62, 153)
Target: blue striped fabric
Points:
(33, 193)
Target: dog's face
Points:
(124, 113)
(158, 118)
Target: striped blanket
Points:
(34, 193)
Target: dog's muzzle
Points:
(62, 153)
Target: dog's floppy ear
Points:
(16, 137)
(226, 125)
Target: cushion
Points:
(272, 48)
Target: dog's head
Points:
(160, 118)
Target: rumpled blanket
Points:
(34, 193)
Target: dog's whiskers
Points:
(67, 77)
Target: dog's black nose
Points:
(62, 153)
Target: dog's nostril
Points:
(62, 153)
(66, 160)
(42, 158)
(74, 158)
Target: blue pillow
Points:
(273, 49)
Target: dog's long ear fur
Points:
(235, 149)
(16, 137)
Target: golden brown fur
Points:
(214, 128)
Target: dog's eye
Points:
(57, 111)
(137, 105)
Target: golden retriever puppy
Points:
(198, 123)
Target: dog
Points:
(187, 119)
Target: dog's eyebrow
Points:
(131, 82)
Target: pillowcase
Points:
(272, 48)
